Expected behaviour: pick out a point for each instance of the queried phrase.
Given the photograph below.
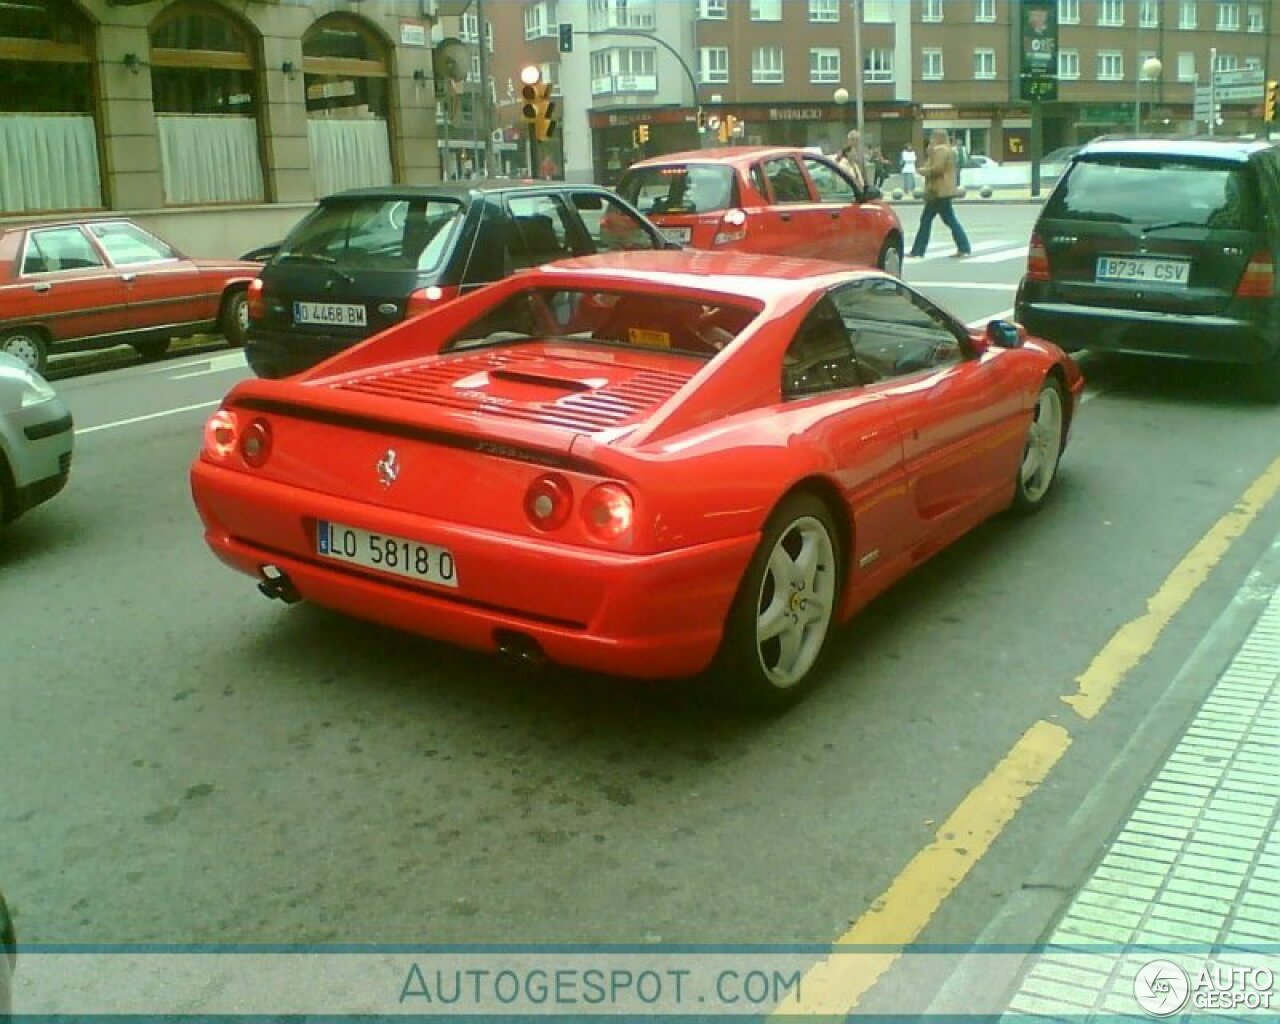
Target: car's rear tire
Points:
(151, 350)
(1038, 468)
(233, 318)
(890, 259)
(29, 345)
(785, 606)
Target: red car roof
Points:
(735, 155)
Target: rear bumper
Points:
(645, 616)
(273, 355)
(1218, 339)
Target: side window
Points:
(786, 182)
(832, 186)
(820, 357)
(57, 249)
(540, 231)
(894, 331)
(128, 244)
(610, 226)
(758, 181)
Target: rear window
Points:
(679, 188)
(1157, 190)
(630, 319)
(376, 234)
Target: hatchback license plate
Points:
(331, 314)
(425, 563)
(680, 235)
(1144, 271)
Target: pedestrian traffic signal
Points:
(566, 37)
(1269, 101)
(640, 135)
(728, 127)
(538, 111)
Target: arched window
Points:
(48, 134)
(348, 115)
(204, 80)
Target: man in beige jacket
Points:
(939, 172)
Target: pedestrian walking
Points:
(939, 190)
(908, 165)
(853, 161)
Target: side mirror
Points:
(1006, 334)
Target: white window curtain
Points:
(348, 154)
(210, 158)
(50, 162)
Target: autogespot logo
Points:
(1161, 987)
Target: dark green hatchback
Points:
(1163, 247)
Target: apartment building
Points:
(779, 68)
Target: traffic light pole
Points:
(483, 120)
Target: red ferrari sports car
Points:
(642, 463)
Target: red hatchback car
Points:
(97, 283)
(779, 200)
(637, 463)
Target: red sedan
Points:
(639, 463)
(96, 283)
(776, 199)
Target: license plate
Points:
(1145, 271)
(331, 314)
(411, 559)
(681, 235)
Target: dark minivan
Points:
(1164, 247)
(369, 258)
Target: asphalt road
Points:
(183, 761)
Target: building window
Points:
(1254, 63)
(766, 65)
(607, 14)
(713, 65)
(344, 68)
(713, 10)
(1186, 67)
(1187, 14)
(877, 65)
(824, 10)
(984, 10)
(1069, 64)
(1110, 66)
(1255, 22)
(766, 10)
(48, 130)
(1068, 12)
(984, 64)
(469, 27)
(539, 20)
(1226, 62)
(931, 65)
(1228, 17)
(204, 87)
(1149, 14)
(931, 10)
(824, 65)
(1111, 12)
(877, 12)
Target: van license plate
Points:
(1175, 273)
(331, 314)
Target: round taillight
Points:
(608, 511)
(548, 502)
(255, 443)
(257, 306)
(220, 433)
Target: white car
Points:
(36, 439)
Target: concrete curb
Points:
(63, 365)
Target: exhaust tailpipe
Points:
(275, 584)
(520, 648)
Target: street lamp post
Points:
(858, 74)
(1151, 69)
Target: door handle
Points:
(127, 278)
(784, 216)
(43, 286)
(835, 215)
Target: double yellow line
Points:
(835, 985)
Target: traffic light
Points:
(728, 127)
(1269, 101)
(538, 111)
(640, 135)
(566, 37)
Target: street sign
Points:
(1204, 103)
(1239, 76)
(1239, 93)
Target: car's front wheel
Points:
(29, 345)
(1043, 449)
(233, 320)
(890, 260)
(784, 608)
